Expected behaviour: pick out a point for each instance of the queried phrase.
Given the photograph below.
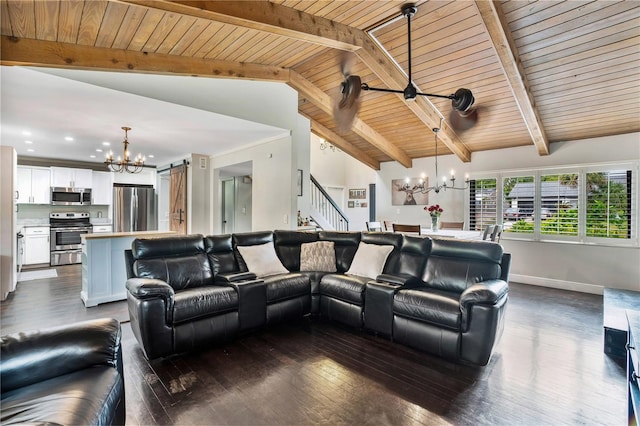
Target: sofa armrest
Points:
(486, 292)
(31, 357)
(151, 288)
(144, 288)
(404, 280)
(232, 277)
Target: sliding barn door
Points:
(178, 200)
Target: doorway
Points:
(236, 192)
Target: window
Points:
(589, 204)
(518, 197)
(559, 204)
(608, 204)
(482, 203)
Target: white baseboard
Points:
(559, 284)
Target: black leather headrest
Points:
(484, 251)
(183, 245)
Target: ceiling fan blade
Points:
(347, 61)
(463, 115)
(461, 120)
(345, 110)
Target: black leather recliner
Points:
(457, 311)
(174, 302)
(69, 375)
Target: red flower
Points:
(434, 210)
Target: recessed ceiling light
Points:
(98, 150)
(26, 133)
(150, 156)
(28, 142)
(30, 150)
(68, 138)
(92, 156)
(106, 143)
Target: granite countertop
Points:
(24, 223)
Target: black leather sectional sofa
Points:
(68, 375)
(443, 296)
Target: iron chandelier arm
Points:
(365, 86)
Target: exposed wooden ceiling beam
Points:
(30, 52)
(263, 16)
(325, 103)
(497, 28)
(282, 20)
(38, 53)
(338, 141)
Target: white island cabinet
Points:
(104, 272)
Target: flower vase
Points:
(435, 223)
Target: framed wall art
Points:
(406, 192)
(358, 194)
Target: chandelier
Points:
(325, 144)
(124, 164)
(444, 185)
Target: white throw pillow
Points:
(262, 260)
(369, 260)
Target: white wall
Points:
(271, 187)
(333, 168)
(198, 194)
(569, 266)
(561, 265)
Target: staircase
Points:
(324, 211)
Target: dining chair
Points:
(487, 231)
(374, 226)
(417, 229)
(388, 225)
(496, 233)
(451, 225)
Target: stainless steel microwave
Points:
(70, 196)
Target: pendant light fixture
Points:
(124, 163)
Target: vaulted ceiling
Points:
(541, 71)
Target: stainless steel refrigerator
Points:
(134, 208)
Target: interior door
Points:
(178, 200)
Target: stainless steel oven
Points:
(66, 231)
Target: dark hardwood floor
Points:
(548, 369)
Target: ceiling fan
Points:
(463, 114)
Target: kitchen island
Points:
(103, 266)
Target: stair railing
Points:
(327, 213)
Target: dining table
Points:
(452, 233)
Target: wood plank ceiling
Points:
(540, 71)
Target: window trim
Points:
(581, 170)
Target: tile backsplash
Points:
(41, 211)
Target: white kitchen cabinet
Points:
(36, 245)
(102, 188)
(101, 229)
(65, 177)
(34, 185)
